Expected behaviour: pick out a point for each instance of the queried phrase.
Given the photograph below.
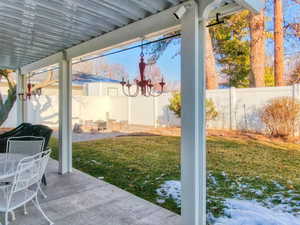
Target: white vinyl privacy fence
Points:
(238, 109)
(148, 111)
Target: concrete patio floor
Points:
(79, 199)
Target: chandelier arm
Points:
(148, 92)
(144, 85)
(158, 94)
(147, 95)
(124, 92)
(136, 91)
(128, 94)
(22, 97)
(19, 95)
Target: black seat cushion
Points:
(26, 129)
(15, 131)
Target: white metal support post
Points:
(65, 116)
(21, 105)
(193, 146)
(193, 137)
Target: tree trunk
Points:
(7, 106)
(278, 46)
(210, 63)
(257, 49)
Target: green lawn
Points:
(237, 168)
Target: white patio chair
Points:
(25, 185)
(27, 145)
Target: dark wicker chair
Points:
(18, 131)
(27, 129)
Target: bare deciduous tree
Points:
(7, 104)
(210, 63)
(100, 67)
(279, 43)
(257, 49)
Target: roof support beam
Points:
(193, 119)
(65, 116)
(42, 63)
(193, 122)
(21, 105)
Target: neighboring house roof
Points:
(81, 78)
(78, 78)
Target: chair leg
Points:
(44, 180)
(37, 205)
(13, 215)
(25, 210)
(6, 218)
(42, 192)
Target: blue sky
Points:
(291, 14)
(170, 64)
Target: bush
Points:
(175, 106)
(211, 111)
(281, 116)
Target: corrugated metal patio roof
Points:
(33, 29)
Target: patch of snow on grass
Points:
(171, 189)
(241, 212)
(160, 201)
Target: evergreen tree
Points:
(232, 46)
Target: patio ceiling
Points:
(31, 30)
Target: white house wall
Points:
(102, 89)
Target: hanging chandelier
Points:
(26, 95)
(144, 86)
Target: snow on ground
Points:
(241, 211)
(170, 189)
(245, 212)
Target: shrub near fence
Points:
(240, 108)
(281, 116)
